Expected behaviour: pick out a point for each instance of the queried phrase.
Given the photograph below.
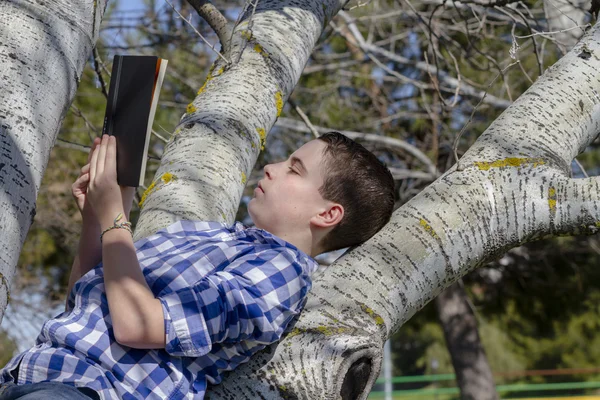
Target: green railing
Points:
(517, 387)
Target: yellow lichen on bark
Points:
(260, 50)
(210, 77)
(279, 102)
(244, 179)
(263, 137)
(165, 178)
(552, 199)
(190, 108)
(509, 162)
(428, 228)
(376, 317)
(246, 34)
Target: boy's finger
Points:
(100, 164)
(86, 168)
(94, 144)
(110, 165)
(83, 179)
(93, 162)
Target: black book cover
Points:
(129, 113)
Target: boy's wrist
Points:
(108, 218)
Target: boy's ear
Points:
(330, 217)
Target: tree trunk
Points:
(43, 49)
(473, 372)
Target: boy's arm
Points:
(136, 314)
(89, 253)
(90, 248)
(253, 298)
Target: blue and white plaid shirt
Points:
(226, 292)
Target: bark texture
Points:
(44, 46)
(472, 369)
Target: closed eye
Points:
(292, 171)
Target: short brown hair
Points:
(356, 179)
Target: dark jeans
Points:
(44, 391)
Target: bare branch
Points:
(212, 47)
(97, 64)
(466, 89)
(302, 115)
(216, 20)
(83, 148)
(455, 146)
(289, 123)
(88, 124)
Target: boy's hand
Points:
(104, 193)
(80, 186)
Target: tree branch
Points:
(453, 83)
(216, 20)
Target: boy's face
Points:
(288, 195)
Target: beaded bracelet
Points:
(122, 225)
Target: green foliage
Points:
(543, 314)
(7, 348)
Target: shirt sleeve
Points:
(254, 297)
(71, 299)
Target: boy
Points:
(165, 316)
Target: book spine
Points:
(113, 91)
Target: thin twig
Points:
(88, 124)
(86, 149)
(304, 118)
(99, 73)
(102, 64)
(455, 146)
(366, 3)
(457, 77)
(250, 25)
(434, 81)
(158, 136)
(581, 168)
(216, 20)
(210, 45)
(543, 34)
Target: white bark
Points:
(43, 49)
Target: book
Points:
(130, 108)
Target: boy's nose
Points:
(267, 170)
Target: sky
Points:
(123, 5)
